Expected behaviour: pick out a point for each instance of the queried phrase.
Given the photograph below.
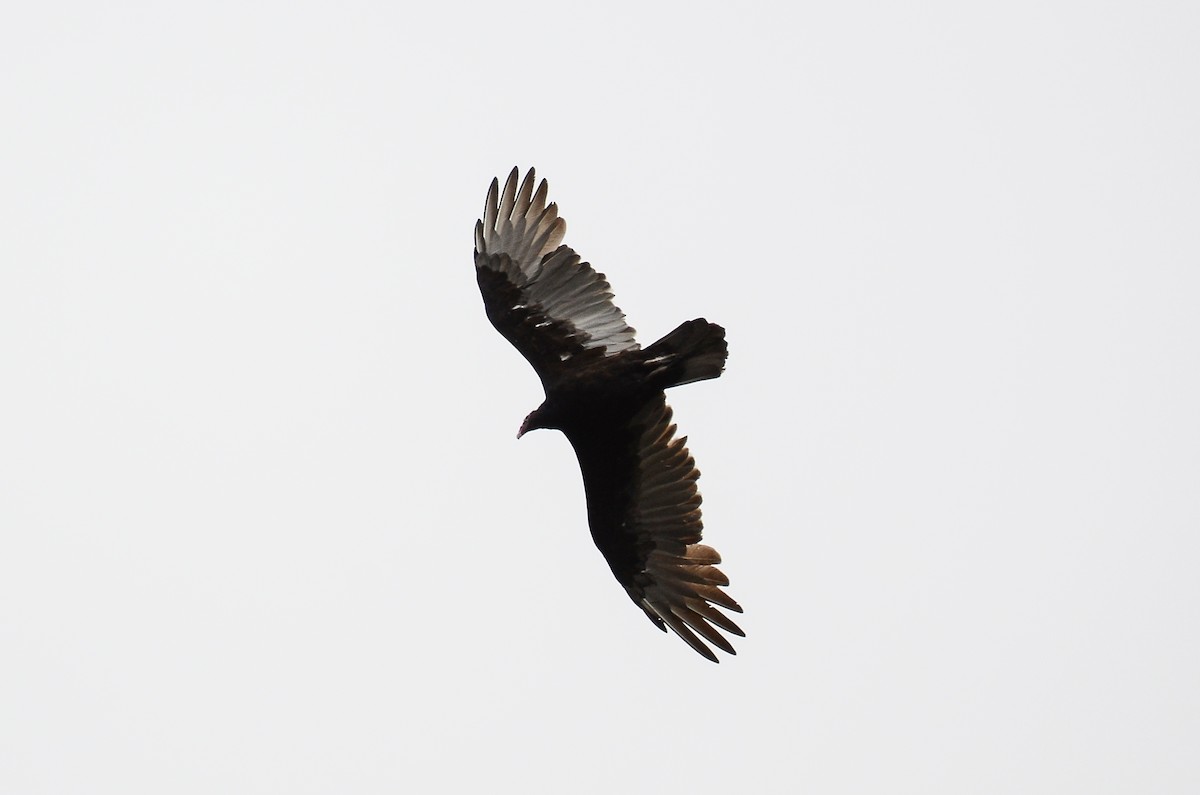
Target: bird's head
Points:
(538, 418)
(529, 424)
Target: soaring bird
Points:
(605, 393)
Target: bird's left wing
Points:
(545, 301)
(644, 512)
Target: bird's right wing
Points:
(644, 512)
(538, 294)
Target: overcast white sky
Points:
(265, 523)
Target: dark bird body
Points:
(605, 393)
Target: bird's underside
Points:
(605, 393)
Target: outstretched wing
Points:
(644, 512)
(551, 306)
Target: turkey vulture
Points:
(606, 394)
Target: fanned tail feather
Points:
(695, 351)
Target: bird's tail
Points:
(695, 351)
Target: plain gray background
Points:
(266, 527)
